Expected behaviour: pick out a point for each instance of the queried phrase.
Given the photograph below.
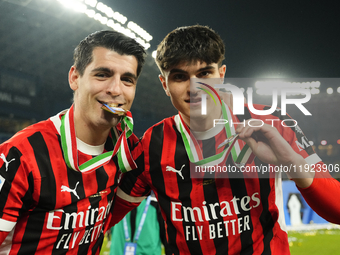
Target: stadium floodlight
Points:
(90, 13)
(315, 91)
(74, 5)
(106, 16)
(266, 87)
(329, 91)
(91, 3)
(154, 54)
(338, 90)
(140, 31)
(119, 17)
(323, 142)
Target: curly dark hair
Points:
(189, 44)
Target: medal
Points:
(121, 148)
(240, 156)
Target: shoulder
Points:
(159, 127)
(44, 128)
(26, 145)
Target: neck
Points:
(89, 132)
(90, 135)
(202, 123)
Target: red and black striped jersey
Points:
(47, 207)
(231, 215)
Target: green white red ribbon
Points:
(241, 153)
(121, 148)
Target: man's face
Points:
(109, 78)
(185, 98)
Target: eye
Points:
(179, 77)
(128, 80)
(101, 75)
(204, 74)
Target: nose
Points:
(195, 85)
(114, 86)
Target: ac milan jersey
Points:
(46, 207)
(213, 215)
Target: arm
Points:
(120, 208)
(270, 147)
(123, 204)
(132, 189)
(318, 197)
(14, 186)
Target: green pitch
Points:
(311, 242)
(314, 242)
(106, 247)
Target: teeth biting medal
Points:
(112, 108)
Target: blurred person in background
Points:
(141, 230)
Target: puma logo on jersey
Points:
(169, 168)
(3, 157)
(67, 189)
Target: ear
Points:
(165, 87)
(222, 70)
(73, 76)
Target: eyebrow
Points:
(177, 70)
(102, 69)
(110, 71)
(131, 75)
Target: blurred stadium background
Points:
(36, 47)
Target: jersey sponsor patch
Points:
(2, 181)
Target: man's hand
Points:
(267, 143)
(270, 147)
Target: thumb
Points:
(251, 142)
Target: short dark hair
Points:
(111, 40)
(192, 43)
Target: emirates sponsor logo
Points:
(79, 227)
(228, 212)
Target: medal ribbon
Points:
(121, 148)
(240, 156)
(140, 226)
